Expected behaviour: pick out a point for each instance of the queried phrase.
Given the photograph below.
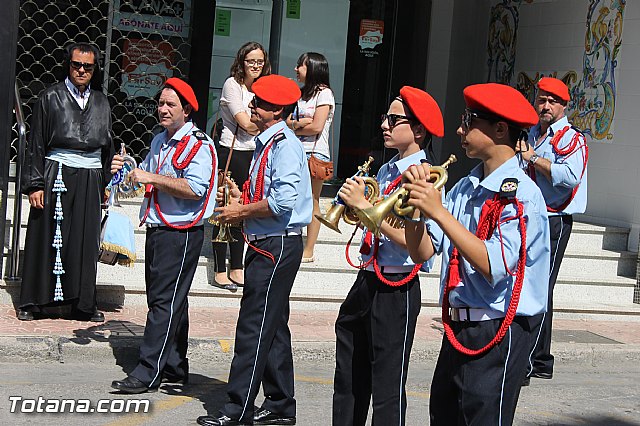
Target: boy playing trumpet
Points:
(493, 234)
(377, 320)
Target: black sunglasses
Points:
(393, 119)
(87, 67)
(262, 104)
(468, 116)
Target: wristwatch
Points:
(533, 159)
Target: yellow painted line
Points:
(321, 381)
(225, 345)
(309, 379)
(423, 395)
(157, 407)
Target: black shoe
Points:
(131, 385)
(266, 417)
(25, 315)
(170, 378)
(526, 381)
(96, 316)
(541, 375)
(220, 420)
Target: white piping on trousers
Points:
(504, 376)
(264, 314)
(404, 351)
(544, 315)
(173, 298)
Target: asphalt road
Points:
(579, 394)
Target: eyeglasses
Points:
(393, 119)
(87, 67)
(259, 103)
(468, 116)
(254, 62)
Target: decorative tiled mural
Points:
(593, 90)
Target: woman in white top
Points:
(251, 63)
(311, 121)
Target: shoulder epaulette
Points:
(279, 137)
(575, 129)
(508, 188)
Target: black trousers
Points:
(239, 168)
(262, 352)
(481, 390)
(540, 359)
(374, 334)
(170, 264)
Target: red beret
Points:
(554, 86)
(424, 108)
(502, 101)
(184, 90)
(276, 90)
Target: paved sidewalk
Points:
(212, 331)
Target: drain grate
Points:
(581, 336)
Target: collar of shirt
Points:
(493, 182)
(398, 165)
(264, 137)
(80, 97)
(182, 131)
(558, 125)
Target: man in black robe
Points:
(70, 142)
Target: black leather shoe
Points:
(526, 381)
(220, 420)
(131, 385)
(96, 316)
(25, 315)
(266, 417)
(541, 375)
(170, 378)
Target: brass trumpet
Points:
(396, 203)
(224, 229)
(339, 210)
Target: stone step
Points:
(584, 236)
(335, 282)
(595, 274)
(579, 260)
(603, 302)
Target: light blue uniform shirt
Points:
(465, 201)
(287, 184)
(181, 211)
(565, 170)
(390, 253)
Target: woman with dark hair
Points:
(251, 63)
(311, 122)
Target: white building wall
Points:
(551, 38)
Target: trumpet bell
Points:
(332, 217)
(224, 235)
(373, 217)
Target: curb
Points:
(60, 349)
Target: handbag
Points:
(318, 168)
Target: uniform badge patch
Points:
(200, 135)
(508, 188)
